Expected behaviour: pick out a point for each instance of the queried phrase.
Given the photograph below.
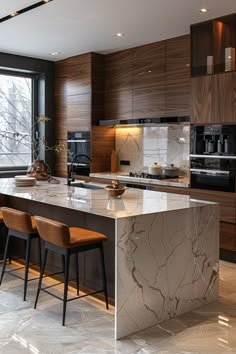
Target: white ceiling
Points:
(78, 26)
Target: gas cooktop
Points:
(149, 176)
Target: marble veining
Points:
(134, 202)
(143, 146)
(167, 264)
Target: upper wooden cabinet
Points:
(201, 90)
(224, 98)
(149, 65)
(178, 76)
(213, 46)
(152, 80)
(118, 70)
(214, 99)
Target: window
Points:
(16, 120)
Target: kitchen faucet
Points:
(69, 176)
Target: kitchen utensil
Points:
(171, 171)
(155, 169)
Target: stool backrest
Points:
(52, 231)
(17, 220)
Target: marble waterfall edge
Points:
(167, 264)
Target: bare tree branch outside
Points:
(15, 121)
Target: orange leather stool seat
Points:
(23, 226)
(65, 240)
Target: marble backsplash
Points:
(143, 146)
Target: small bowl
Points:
(115, 192)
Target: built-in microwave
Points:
(78, 143)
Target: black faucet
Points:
(69, 176)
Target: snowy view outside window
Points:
(15, 121)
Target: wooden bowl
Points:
(115, 192)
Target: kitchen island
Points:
(162, 253)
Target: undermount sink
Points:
(86, 185)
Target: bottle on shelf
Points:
(219, 146)
(226, 146)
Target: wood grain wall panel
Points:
(178, 60)
(149, 102)
(61, 160)
(79, 112)
(118, 70)
(228, 236)
(177, 99)
(118, 104)
(227, 202)
(149, 65)
(78, 77)
(178, 76)
(97, 87)
(103, 142)
(224, 98)
(201, 102)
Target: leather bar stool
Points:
(66, 241)
(20, 225)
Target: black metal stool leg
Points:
(104, 274)
(66, 279)
(40, 256)
(63, 263)
(5, 257)
(77, 271)
(45, 253)
(27, 257)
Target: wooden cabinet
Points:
(149, 102)
(214, 99)
(148, 81)
(118, 85)
(201, 91)
(224, 98)
(227, 202)
(79, 101)
(178, 76)
(149, 65)
(228, 236)
(118, 104)
(118, 70)
(169, 189)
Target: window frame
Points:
(34, 109)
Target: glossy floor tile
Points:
(90, 328)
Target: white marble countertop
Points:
(175, 182)
(133, 202)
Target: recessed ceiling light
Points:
(55, 53)
(203, 10)
(119, 34)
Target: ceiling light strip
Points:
(25, 9)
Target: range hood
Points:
(145, 121)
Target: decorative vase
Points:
(40, 170)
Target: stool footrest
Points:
(74, 298)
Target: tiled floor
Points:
(90, 328)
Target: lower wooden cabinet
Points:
(227, 203)
(226, 200)
(228, 236)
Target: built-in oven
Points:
(78, 143)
